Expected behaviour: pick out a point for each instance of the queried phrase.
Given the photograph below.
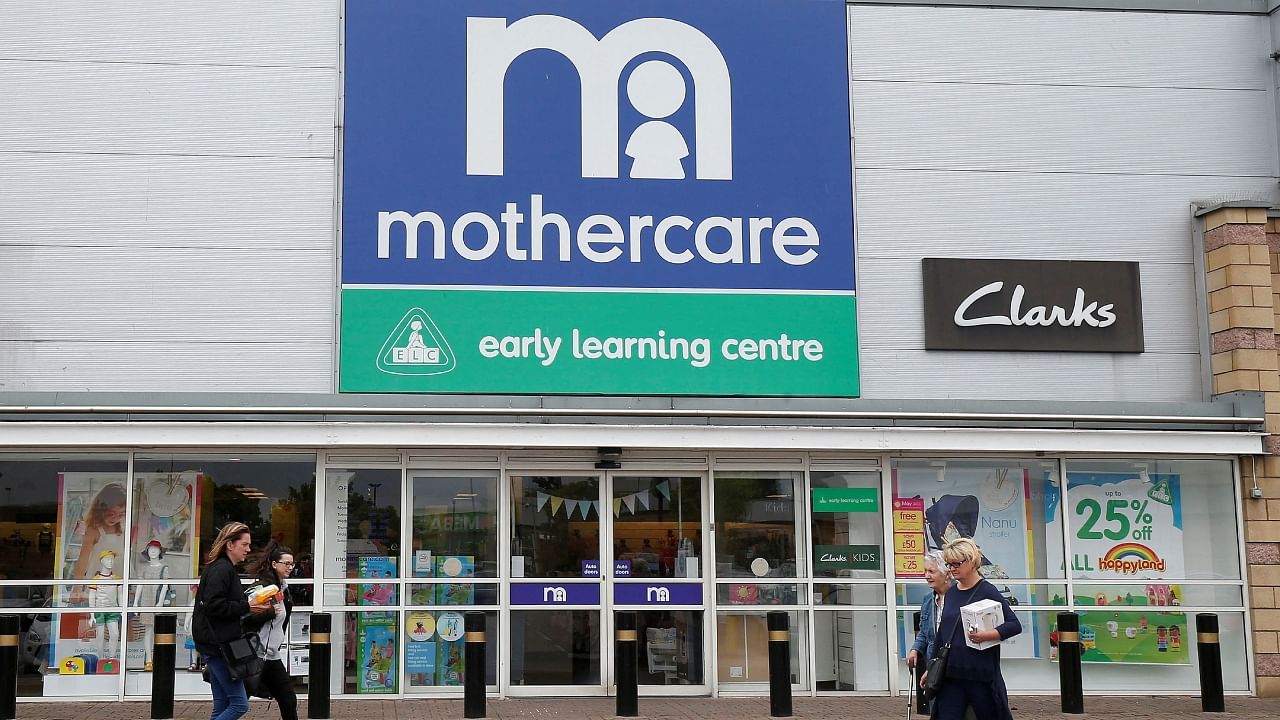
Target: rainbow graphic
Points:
(1131, 559)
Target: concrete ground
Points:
(841, 708)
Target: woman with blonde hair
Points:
(221, 606)
(972, 677)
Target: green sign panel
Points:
(846, 557)
(609, 343)
(833, 500)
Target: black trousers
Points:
(276, 680)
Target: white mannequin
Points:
(151, 595)
(106, 624)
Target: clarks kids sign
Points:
(1030, 305)
(597, 197)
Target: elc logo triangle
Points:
(416, 347)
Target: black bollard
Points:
(1209, 653)
(779, 665)
(1071, 684)
(321, 653)
(922, 705)
(8, 667)
(625, 664)
(163, 652)
(473, 702)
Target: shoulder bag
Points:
(937, 668)
(243, 654)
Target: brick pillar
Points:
(1242, 262)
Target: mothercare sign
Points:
(597, 197)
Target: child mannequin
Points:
(102, 595)
(151, 568)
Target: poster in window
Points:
(991, 505)
(1126, 526)
(376, 653)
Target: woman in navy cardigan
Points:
(973, 676)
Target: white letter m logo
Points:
(655, 88)
(554, 594)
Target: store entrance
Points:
(585, 546)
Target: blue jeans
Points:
(230, 701)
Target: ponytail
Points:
(273, 552)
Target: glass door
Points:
(656, 569)
(556, 594)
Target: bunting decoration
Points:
(633, 503)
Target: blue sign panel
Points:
(590, 568)
(597, 144)
(555, 594)
(657, 594)
(622, 568)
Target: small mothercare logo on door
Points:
(416, 347)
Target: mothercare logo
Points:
(655, 88)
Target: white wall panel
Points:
(994, 133)
(921, 213)
(166, 295)
(116, 201)
(172, 109)
(294, 33)
(991, 45)
(191, 366)
(1063, 129)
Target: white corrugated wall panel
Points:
(284, 33)
(1047, 134)
(166, 205)
(114, 201)
(1063, 129)
(166, 109)
(989, 45)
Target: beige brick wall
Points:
(1242, 278)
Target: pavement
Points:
(843, 708)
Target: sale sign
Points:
(1124, 526)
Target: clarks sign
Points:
(1032, 305)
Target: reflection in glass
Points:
(555, 525)
(180, 500)
(749, 593)
(455, 526)
(45, 513)
(555, 647)
(657, 526)
(362, 526)
(672, 651)
(756, 524)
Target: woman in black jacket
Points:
(273, 630)
(218, 617)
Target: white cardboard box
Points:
(981, 615)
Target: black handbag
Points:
(243, 655)
(936, 669)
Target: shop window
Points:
(1008, 507)
(672, 652)
(454, 527)
(362, 533)
(847, 525)
(1151, 519)
(743, 647)
(657, 526)
(555, 526)
(51, 504)
(755, 516)
(181, 501)
(435, 650)
(850, 651)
